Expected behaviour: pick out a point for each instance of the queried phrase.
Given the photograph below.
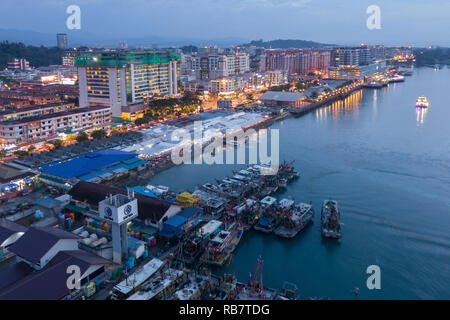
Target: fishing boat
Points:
(266, 224)
(192, 249)
(282, 183)
(192, 289)
(295, 220)
(210, 187)
(330, 217)
(231, 181)
(422, 102)
(135, 281)
(269, 220)
(160, 286)
(219, 248)
(288, 292)
(254, 289)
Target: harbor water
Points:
(388, 166)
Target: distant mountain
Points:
(38, 56)
(286, 44)
(78, 38)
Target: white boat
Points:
(422, 102)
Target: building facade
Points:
(120, 78)
(18, 64)
(61, 40)
(211, 66)
(45, 126)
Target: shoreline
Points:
(149, 172)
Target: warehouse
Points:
(93, 167)
(278, 98)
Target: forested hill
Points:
(38, 56)
(432, 56)
(285, 44)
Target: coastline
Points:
(149, 172)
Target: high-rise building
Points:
(213, 66)
(345, 57)
(120, 78)
(294, 61)
(61, 39)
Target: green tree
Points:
(82, 136)
(20, 153)
(57, 143)
(139, 121)
(98, 134)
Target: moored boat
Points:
(295, 220)
(330, 217)
(219, 248)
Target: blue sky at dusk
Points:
(416, 22)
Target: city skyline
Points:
(204, 22)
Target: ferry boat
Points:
(295, 221)
(422, 102)
(219, 249)
(330, 217)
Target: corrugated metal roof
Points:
(87, 163)
(282, 96)
(8, 228)
(50, 283)
(37, 241)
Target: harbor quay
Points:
(163, 243)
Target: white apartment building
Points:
(34, 129)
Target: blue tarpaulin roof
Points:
(48, 203)
(175, 222)
(190, 212)
(264, 221)
(87, 163)
(144, 191)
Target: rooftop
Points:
(120, 58)
(49, 283)
(93, 193)
(54, 115)
(8, 228)
(282, 96)
(86, 163)
(9, 173)
(37, 241)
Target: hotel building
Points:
(121, 78)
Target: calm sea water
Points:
(388, 166)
